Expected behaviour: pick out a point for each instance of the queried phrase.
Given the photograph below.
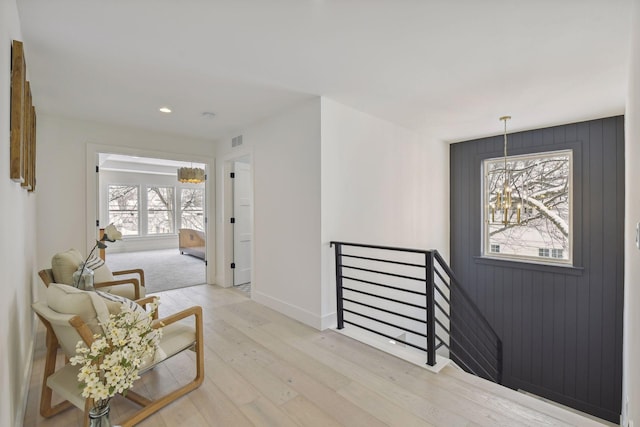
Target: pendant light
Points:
(503, 204)
(191, 175)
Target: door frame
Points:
(93, 208)
(225, 203)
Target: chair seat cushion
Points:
(65, 383)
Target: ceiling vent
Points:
(236, 141)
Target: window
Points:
(192, 208)
(539, 217)
(124, 209)
(154, 210)
(160, 210)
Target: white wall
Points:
(631, 350)
(17, 246)
(324, 171)
(63, 213)
(381, 185)
(285, 153)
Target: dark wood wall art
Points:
(23, 122)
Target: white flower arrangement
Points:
(111, 364)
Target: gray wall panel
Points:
(561, 328)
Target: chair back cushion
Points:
(64, 264)
(88, 305)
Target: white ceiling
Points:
(448, 68)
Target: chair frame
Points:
(47, 277)
(149, 407)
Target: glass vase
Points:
(84, 281)
(99, 417)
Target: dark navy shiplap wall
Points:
(561, 327)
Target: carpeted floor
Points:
(163, 269)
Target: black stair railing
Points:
(412, 297)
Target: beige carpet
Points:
(163, 269)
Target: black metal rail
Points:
(425, 302)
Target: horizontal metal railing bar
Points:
(440, 345)
(386, 248)
(442, 278)
(441, 309)
(368, 270)
(385, 323)
(461, 361)
(471, 344)
(384, 298)
(474, 362)
(463, 292)
(444, 328)
(442, 342)
(489, 374)
(385, 310)
(443, 296)
(384, 286)
(386, 336)
(487, 333)
(461, 323)
(384, 260)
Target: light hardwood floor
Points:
(264, 369)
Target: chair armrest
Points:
(137, 271)
(133, 281)
(196, 311)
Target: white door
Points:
(242, 233)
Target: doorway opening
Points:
(163, 221)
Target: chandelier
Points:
(502, 204)
(191, 175)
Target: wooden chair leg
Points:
(46, 410)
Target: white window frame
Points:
(486, 242)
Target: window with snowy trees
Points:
(528, 207)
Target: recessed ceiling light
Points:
(208, 115)
(166, 110)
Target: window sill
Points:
(523, 265)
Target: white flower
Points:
(111, 233)
(110, 365)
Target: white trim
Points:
(405, 353)
(26, 377)
(295, 312)
(485, 241)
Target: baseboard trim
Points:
(26, 378)
(295, 312)
(418, 358)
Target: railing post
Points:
(431, 309)
(339, 304)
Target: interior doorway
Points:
(163, 221)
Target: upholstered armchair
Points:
(71, 315)
(64, 264)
